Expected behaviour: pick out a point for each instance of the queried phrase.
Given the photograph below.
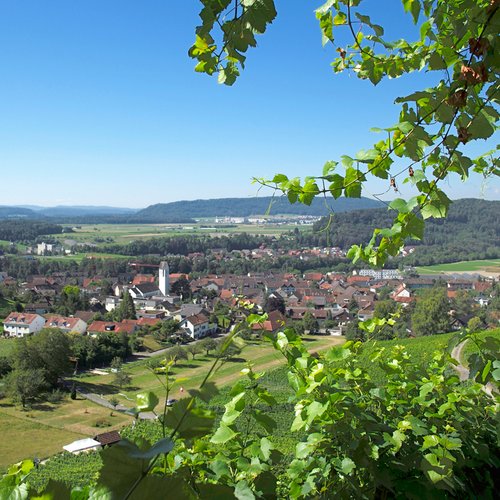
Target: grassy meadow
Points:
(261, 355)
(102, 234)
(483, 266)
(44, 429)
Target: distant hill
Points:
(18, 213)
(82, 211)
(245, 207)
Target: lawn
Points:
(29, 439)
(485, 266)
(44, 429)
(260, 354)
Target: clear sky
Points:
(100, 105)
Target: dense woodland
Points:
(27, 230)
(471, 231)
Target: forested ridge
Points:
(244, 207)
(471, 231)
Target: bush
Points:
(55, 396)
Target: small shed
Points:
(82, 445)
(108, 438)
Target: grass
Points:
(29, 439)
(102, 234)
(44, 429)
(260, 354)
(6, 346)
(486, 266)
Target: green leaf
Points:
(243, 491)
(146, 401)
(347, 465)
(430, 442)
(223, 434)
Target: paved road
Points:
(95, 398)
(462, 371)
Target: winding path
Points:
(463, 371)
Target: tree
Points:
(181, 287)
(177, 353)
(122, 379)
(166, 330)
(49, 351)
(208, 344)
(456, 44)
(26, 385)
(116, 363)
(275, 303)
(126, 309)
(194, 349)
(431, 313)
(310, 323)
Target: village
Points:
(329, 301)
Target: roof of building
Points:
(106, 438)
(56, 321)
(112, 326)
(21, 318)
(81, 445)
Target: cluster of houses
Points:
(330, 296)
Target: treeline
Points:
(184, 245)
(27, 230)
(471, 231)
(21, 268)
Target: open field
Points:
(261, 355)
(78, 257)
(485, 267)
(43, 430)
(102, 234)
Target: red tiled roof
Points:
(24, 318)
(127, 326)
(56, 321)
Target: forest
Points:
(28, 230)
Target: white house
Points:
(65, 324)
(111, 303)
(198, 326)
(21, 324)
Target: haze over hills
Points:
(180, 211)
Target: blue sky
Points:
(100, 105)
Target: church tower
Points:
(164, 278)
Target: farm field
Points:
(478, 266)
(101, 234)
(261, 355)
